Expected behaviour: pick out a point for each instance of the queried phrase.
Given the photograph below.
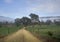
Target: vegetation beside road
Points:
(45, 31)
(4, 31)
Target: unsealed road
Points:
(21, 36)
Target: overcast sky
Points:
(20, 8)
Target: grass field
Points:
(37, 30)
(43, 30)
(8, 30)
(40, 30)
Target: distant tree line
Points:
(33, 20)
(6, 23)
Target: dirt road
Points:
(21, 36)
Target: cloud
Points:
(47, 6)
(8, 1)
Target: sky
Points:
(20, 8)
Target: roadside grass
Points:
(43, 30)
(4, 31)
(40, 31)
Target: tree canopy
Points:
(27, 21)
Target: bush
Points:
(50, 33)
(0, 24)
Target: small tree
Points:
(48, 22)
(56, 22)
(17, 21)
(0, 24)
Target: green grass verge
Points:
(8, 30)
(42, 30)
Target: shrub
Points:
(50, 33)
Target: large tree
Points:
(23, 21)
(34, 18)
(26, 21)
